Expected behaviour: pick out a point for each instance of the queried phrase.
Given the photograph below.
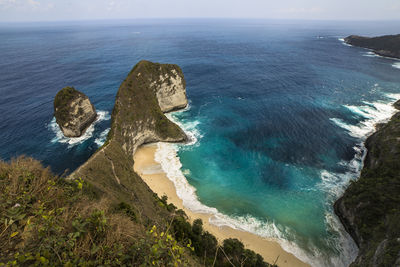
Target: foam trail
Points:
(396, 65)
(72, 141)
(373, 113)
(370, 54)
(190, 128)
(343, 42)
(102, 138)
(334, 184)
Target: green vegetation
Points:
(48, 221)
(136, 106)
(388, 45)
(370, 207)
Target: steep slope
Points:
(370, 207)
(136, 119)
(387, 46)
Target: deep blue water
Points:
(279, 108)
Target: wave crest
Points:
(73, 141)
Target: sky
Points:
(64, 10)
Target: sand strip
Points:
(152, 173)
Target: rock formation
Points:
(170, 88)
(73, 111)
(137, 118)
(387, 46)
(370, 206)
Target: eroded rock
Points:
(73, 111)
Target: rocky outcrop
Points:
(73, 111)
(387, 46)
(149, 90)
(370, 206)
(170, 88)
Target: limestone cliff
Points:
(73, 111)
(170, 88)
(137, 118)
(370, 207)
(387, 46)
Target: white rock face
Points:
(170, 91)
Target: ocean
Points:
(278, 113)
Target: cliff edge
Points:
(386, 46)
(370, 206)
(137, 118)
(73, 111)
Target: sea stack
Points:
(73, 111)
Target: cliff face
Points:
(170, 88)
(137, 118)
(73, 111)
(370, 207)
(387, 46)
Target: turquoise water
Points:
(278, 113)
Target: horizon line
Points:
(199, 18)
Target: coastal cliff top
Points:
(388, 45)
(137, 119)
(137, 107)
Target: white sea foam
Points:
(396, 65)
(370, 54)
(102, 137)
(190, 128)
(72, 141)
(343, 42)
(334, 184)
(373, 113)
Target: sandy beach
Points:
(151, 172)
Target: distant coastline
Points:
(385, 46)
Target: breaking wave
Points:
(73, 141)
(102, 137)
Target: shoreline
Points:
(153, 175)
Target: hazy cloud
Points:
(11, 10)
